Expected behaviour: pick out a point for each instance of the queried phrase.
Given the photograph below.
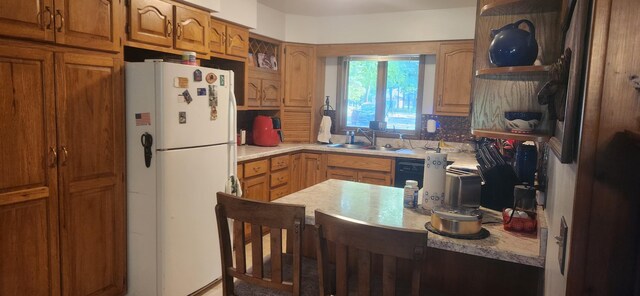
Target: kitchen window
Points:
(387, 88)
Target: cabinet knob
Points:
(179, 31)
(59, 13)
(65, 154)
(169, 28)
(53, 157)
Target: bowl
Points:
(522, 122)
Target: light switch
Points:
(561, 240)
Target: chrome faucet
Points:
(371, 139)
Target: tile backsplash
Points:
(449, 128)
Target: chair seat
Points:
(308, 281)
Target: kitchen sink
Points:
(381, 148)
(348, 146)
(366, 147)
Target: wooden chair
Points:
(368, 241)
(280, 272)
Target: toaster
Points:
(462, 189)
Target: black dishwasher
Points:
(409, 169)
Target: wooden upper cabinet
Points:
(237, 41)
(228, 39)
(299, 75)
(91, 135)
(270, 93)
(32, 19)
(453, 78)
(192, 29)
(254, 92)
(93, 24)
(28, 174)
(217, 33)
(151, 21)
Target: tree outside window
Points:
(384, 89)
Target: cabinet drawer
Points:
(240, 173)
(342, 174)
(375, 178)
(279, 178)
(255, 168)
(359, 162)
(279, 192)
(279, 162)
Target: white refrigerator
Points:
(173, 246)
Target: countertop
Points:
(249, 152)
(383, 205)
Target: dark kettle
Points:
(512, 46)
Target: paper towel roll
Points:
(435, 174)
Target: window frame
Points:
(381, 85)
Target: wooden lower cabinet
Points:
(363, 169)
(313, 169)
(62, 193)
(295, 180)
(257, 188)
(342, 174)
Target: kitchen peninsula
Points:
(511, 262)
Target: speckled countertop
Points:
(383, 205)
(249, 152)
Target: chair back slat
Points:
(364, 272)
(342, 272)
(370, 242)
(239, 243)
(276, 255)
(388, 275)
(260, 215)
(256, 251)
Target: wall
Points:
(243, 12)
(270, 22)
(422, 25)
(560, 196)
(208, 4)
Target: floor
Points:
(266, 249)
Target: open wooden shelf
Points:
(250, 108)
(512, 71)
(508, 7)
(509, 135)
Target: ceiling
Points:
(352, 7)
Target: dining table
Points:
(509, 262)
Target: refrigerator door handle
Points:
(233, 111)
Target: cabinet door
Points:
(270, 93)
(151, 22)
(342, 174)
(254, 92)
(376, 178)
(28, 181)
(299, 75)
(192, 30)
(31, 19)
(313, 169)
(296, 125)
(237, 41)
(295, 181)
(217, 33)
(257, 188)
(89, 91)
(455, 71)
(91, 24)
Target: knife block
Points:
(497, 192)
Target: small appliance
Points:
(264, 133)
(462, 189)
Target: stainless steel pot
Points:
(457, 221)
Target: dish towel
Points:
(324, 134)
(233, 186)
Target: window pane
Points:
(361, 93)
(402, 94)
